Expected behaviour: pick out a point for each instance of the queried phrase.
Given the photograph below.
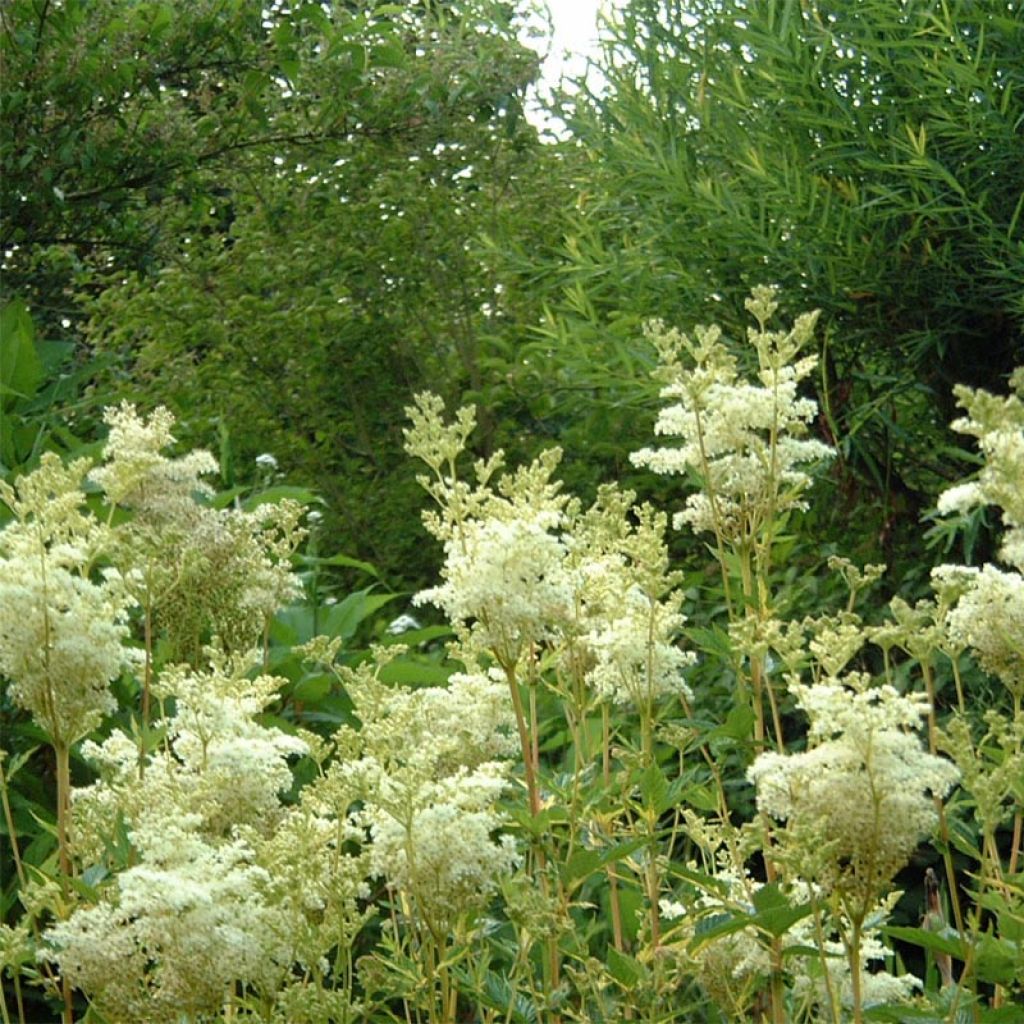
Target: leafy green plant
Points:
(864, 155)
(620, 791)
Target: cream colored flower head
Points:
(860, 798)
(746, 440)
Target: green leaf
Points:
(717, 925)
(624, 969)
(415, 637)
(312, 689)
(703, 881)
(340, 560)
(584, 863)
(343, 619)
(774, 913)
(997, 961)
(21, 369)
(738, 724)
(272, 495)
(946, 941)
(701, 797)
(402, 672)
(17, 762)
(654, 788)
(388, 55)
(291, 626)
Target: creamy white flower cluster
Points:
(201, 571)
(180, 926)
(824, 983)
(860, 798)
(746, 441)
(998, 425)
(627, 603)
(989, 618)
(136, 474)
(190, 913)
(62, 626)
(193, 911)
(432, 766)
(526, 569)
(504, 581)
(989, 613)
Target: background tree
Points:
(272, 220)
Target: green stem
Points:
(715, 513)
(63, 754)
(19, 868)
(651, 880)
(819, 937)
(613, 881)
(530, 765)
(853, 953)
(778, 984)
(524, 741)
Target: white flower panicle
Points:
(431, 769)
(218, 766)
(525, 569)
(860, 798)
(986, 606)
(628, 616)
(636, 660)
(435, 840)
(195, 910)
(747, 441)
(174, 931)
(136, 474)
(62, 625)
(61, 645)
(989, 617)
(504, 585)
(201, 571)
(998, 425)
(504, 580)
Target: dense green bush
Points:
(863, 154)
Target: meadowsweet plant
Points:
(856, 803)
(746, 443)
(747, 440)
(64, 623)
(579, 603)
(622, 791)
(71, 581)
(982, 611)
(62, 638)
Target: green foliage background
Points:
(284, 220)
(282, 223)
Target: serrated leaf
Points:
(653, 786)
(716, 925)
(773, 913)
(624, 969)
(16, 763)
